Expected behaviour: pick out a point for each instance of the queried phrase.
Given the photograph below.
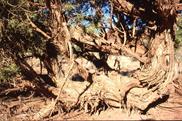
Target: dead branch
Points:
(19, 87)
(114, 49)
(36, 28)
(61, 88)
(134, 28)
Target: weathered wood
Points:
(179, 7)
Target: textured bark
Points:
(159, 71)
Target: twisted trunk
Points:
(159, 73)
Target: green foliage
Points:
(79, 17)
(8, 72)
(68, 7)
(26, 40)
(18, 37)
(178, 41)
(92, 29)
(20, 27)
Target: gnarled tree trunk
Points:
(158, 74)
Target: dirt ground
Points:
(23, 108)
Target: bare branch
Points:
(37, 29)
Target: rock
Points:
(122, 63)
(86, 64)
(36, 65)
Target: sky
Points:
(86, 9)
